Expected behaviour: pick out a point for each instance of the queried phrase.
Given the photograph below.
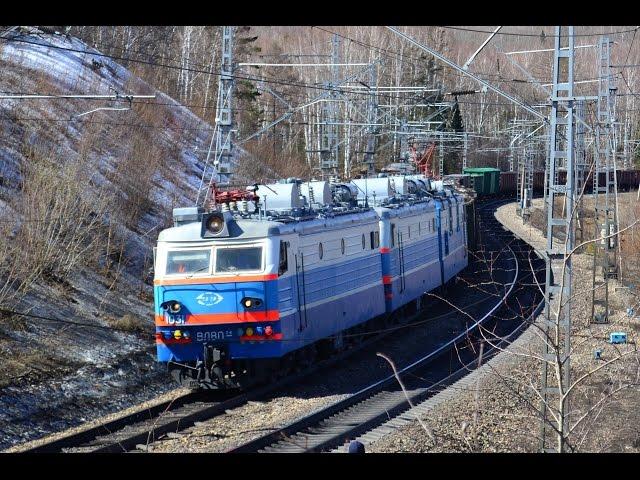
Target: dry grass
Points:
(62, 214)
(58, 213)
(31, 365)
(129, 323)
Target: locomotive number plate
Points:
(175, 319)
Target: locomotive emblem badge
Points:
(209, 298)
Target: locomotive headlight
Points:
(249, 302)
(171, 306)
(215, 222)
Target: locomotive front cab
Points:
(212, 297)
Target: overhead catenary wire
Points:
(187, 69)
(176, 67)
(210, 72)
(387, 52)
(552, 35)
(473, 76)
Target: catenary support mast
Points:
(557, 341)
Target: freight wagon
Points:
(484, 180)
(626, 179)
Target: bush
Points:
(54, 222)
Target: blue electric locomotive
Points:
(244, 291)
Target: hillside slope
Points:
(82, 199)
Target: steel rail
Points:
(369, 392)
(122, 443)
(167, 417)
(423, 394)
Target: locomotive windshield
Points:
(188, 261)
(238, 259)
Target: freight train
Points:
(277, 276)
(491, 181)
(626, 180)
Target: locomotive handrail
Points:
(304, 290)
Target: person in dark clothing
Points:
(356, 447)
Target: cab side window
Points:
(284, 260)
(374, 238)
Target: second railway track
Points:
(372, 406)
(316, 432)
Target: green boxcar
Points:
(485, 180)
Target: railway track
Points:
(372, 406)
(136, 432)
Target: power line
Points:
(182, 68)
(390, 53)
(140, 52)
(403, 56)
(631, 46)
(521, 103)
(266, 80)
(59, 320)
(258, 79)
(67, 120)
(176, 67)
(552, 35)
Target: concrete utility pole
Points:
(557, 341)
(464, 152)
(515, 135)
(440, 158)
(404, 140)
(527, 190)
